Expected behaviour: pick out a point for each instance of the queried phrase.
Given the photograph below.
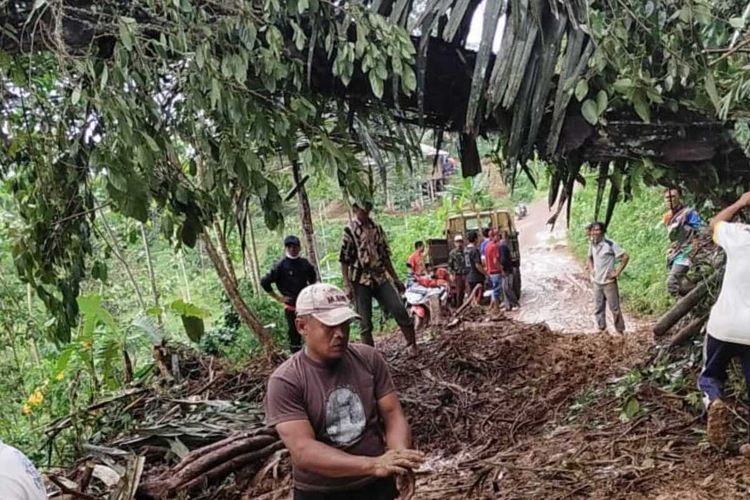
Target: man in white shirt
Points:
(728, 328)
(19, 479)
(606, 262)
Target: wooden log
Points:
(470, 299)
(203, 451)
(202, 473)
(688, 331)
(211, 459)
(684, 306)
(223, 469)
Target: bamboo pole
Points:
(684, 306)
(305, 216)
(118, 254)
(151, 274)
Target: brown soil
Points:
(501, 408)
(336, 210)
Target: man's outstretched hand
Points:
(397, 462)
(745, 199)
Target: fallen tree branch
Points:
(206, 465)
(684, 306)
(234, 464)
(688, 331)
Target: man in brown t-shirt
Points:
(327, 401)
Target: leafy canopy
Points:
(188, 106)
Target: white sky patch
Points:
(475, 30)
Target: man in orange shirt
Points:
(416, 259)
(494, 268)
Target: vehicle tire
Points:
(517, 282)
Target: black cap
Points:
(291, 240)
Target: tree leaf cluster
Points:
(191, 110)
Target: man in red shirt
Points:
(416, 259)
(494, 268)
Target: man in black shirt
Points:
(476, 274)
(506, 261)
(291, 274)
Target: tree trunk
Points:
(250, 272)
(183, 271)
(230, 287)
(227, 257)
(254, 262)
(151, 274)
(212, 463)
(305, 216)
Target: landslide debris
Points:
(504, 409)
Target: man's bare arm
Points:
(480, 268)
(728, 213)
(397, 431)
(398, 437)
(623, 263)
(312, 455)
(278, 298)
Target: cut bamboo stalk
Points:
(688, 331)
(684, 306)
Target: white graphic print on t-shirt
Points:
(345, 416)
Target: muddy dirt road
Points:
(556, 290)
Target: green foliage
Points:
(230, 338)
(470, 194)
(652, 56)
(192, 111)
(192, 318)
(654, 61)
(524, 191)
(637, 226)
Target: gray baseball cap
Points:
(326, 303)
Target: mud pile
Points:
(509, 410)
